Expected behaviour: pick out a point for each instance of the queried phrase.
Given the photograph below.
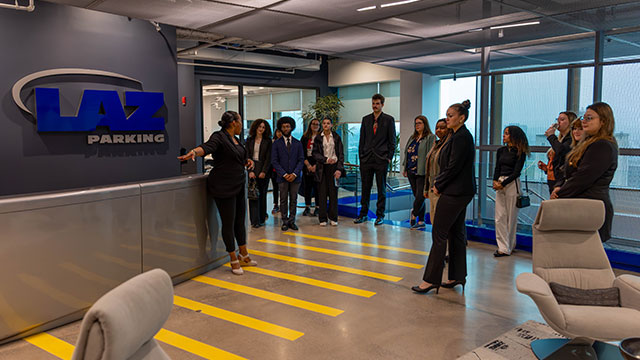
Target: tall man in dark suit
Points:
(376, 149)
(287, 158)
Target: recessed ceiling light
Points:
(398, 3)
(515, 25)
(471, 51)
(475, 30)
(367, 8)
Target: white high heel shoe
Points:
(237, 271)
(246, 260)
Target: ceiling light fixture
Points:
(367, 8)
(470, 51)
(515, 25)
(398, 3)
(475, 30)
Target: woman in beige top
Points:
(442, 132)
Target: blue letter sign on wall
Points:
(99, 108)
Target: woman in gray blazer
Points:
(413, 166)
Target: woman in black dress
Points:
(309, 169)
(259, 150)
(226, 183)
(456, 185)
(590, 166)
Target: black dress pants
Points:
(310, 188)
(232, 211)
(448, 224)
(367, 170)
(328, 187)
(276, 188)
(417, 187)
(258, 208)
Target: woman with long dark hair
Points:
(456, 185)
(329, 155)
(506, 182)
(590, 166)
(415, 151)
(310, 186)
(432, 166)
(259, 150)
(226, 184)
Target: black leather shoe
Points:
(284, 227)
(378, 221)
(293, 226)
(306, 212)
(499, 254)
(418, 289)
(451, 285)
(360, 219)
(255, 226)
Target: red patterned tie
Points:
(375, 126)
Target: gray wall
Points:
(56, 36)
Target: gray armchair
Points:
(122, 323)
(567, 250)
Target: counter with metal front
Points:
(59, 252)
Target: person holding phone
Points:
(560, 146)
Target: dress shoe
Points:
(293, 226)
(237, 271)
(418, 289)
(246, 260)
(378, 221)
(315, 212)
(306, 211)
(284, 227)
(360, 219)
(451, 285)
(255, 226)
(418, 225)
(499, 254)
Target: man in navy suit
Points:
(287, 158)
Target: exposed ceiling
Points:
(424, 35)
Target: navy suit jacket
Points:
(287, 161)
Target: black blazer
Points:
(561, 149)
(304, 140)
(591, 179)
(456, 177)
(381, 146)
(318, 154)
(264, 156)
(226, 178)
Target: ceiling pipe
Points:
(17, 6)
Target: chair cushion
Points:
(601, 323)
(570, 215)
(595, 297)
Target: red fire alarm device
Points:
(184, 101)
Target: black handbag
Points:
(253, 193)
(523, 200)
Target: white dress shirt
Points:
(329, 147)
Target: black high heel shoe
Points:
(418, 289)
(451, 285)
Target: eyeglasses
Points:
(587, 118)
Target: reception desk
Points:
(59, 252)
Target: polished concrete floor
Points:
(339, 316)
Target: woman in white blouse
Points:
(328, 152)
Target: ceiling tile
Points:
(553, 7)
(346, 40)
(606, 18)
(186, 13)
(273, 27)
(346, 11)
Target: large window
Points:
(457, 91)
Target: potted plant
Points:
(325, 107)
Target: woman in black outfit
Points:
(328, 152)
(309, 169)
(560, 146)
(456, 186)
(506, 182)
(259, 150)
(226, 184)
(592, 163)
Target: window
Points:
(457, 91)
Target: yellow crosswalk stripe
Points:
(319, 264)
(358, 243)
(239, 319)
(302, 304)
(309, 281)
(52, 345)
(343, 253)
(193, 346)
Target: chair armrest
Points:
(629, 286)
(537, 288)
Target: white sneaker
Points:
(334, 223)
(324, 223)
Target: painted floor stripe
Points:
(309, 281)
(358, 243)
(239, 319)
(319, 264)
(343, 253)
(194, 346)
(302, 304)
(52, 345)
